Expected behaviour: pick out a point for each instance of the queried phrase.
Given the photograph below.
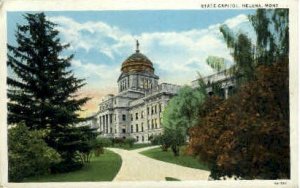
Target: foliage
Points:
(247, 135)
(28, 154)
(243, 69)
(129, 141)
(272, 30)
(118, 140)
(173, 138)
(75, 147)
(87, 137)
(181, 111)
(155, 140)
(43, 92)
(42, 88)
(99, 144)
(216, 63)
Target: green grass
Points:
(171, 179)
(102, 168)
(167, 156)
(135, 146)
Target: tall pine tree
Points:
(42, 88)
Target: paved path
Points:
(137, 167)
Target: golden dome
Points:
(137, 62)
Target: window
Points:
(155, 111)
(142, 114)
(159, 107)
(123, 130)
(155, 123)
(148, 124)
(110, 118)
(136, 128)
(152, 124)
(137, 138)
(148, 111)
(142, 127)
(124, 117)
(142, 138)
(136, 116)
(131, 117)
(152, 110)
(131, 128)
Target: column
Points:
(100, 123)
(226, 92)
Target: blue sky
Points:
(177, 42)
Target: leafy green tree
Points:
(243, 69)
(272, 30)
(173, 138)
(42, 88)
(181, 111)
(216, 63)
(28, 154)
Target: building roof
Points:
(137, 62)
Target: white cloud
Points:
(179, 55)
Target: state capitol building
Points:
(136, 110)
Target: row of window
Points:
(153, 125)
(142, 138)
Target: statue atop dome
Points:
(137, 46)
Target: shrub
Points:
(118, 141)
(99, 144)
(155, 140)
(129, 141)
(28, 154)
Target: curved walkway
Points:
(137, 167)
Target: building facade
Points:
(136, 110)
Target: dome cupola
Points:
(137, 62)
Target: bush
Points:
(155, 140)
(28, 154)
(129, 141)
(100, 143)
(119, 141)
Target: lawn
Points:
(127, 147)
(167, 156)
(102, 168)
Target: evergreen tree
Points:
(42, 88)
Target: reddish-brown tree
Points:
(247, 135)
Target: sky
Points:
(176, 41)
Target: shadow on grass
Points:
(171, 179)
